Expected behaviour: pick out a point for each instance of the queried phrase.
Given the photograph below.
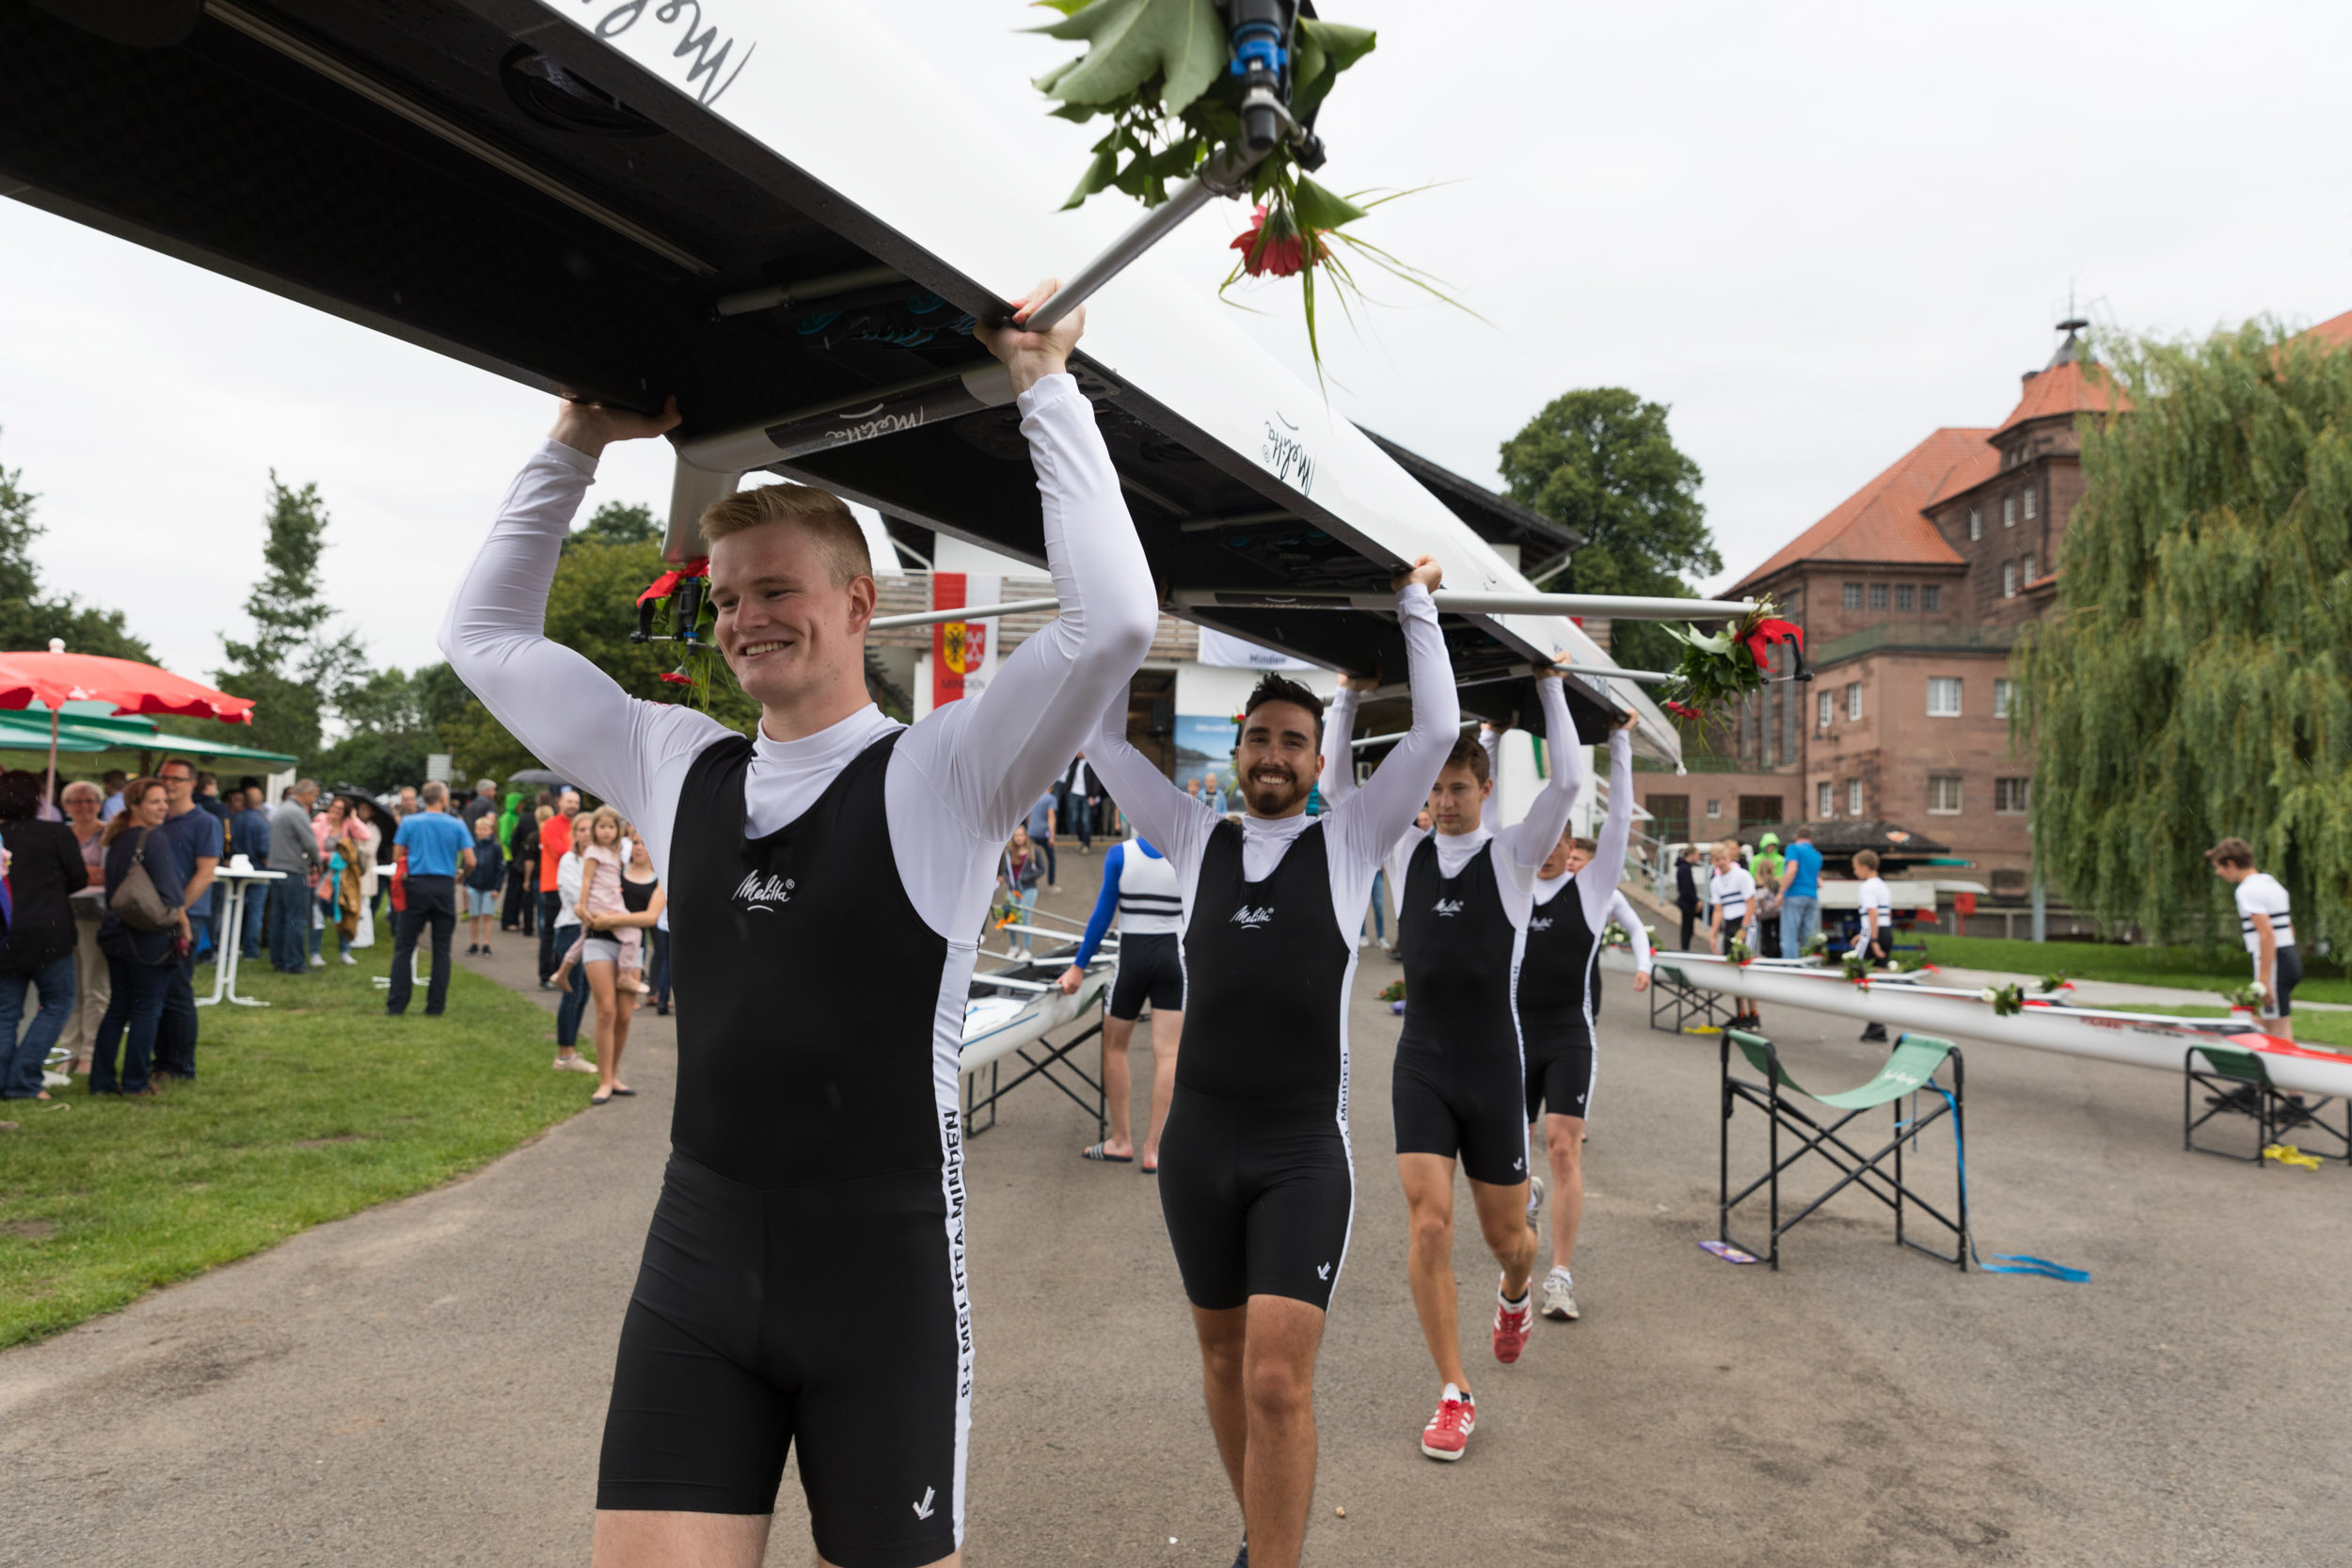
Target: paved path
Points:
(425, 1383)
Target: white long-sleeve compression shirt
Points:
(1522, 848)
(1358, 830)
(1621, 910)
(963, 776)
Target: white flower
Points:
(1987, 994)
(2261, 991)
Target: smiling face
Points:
(151, 806)
(1277, 759)
(1456, 798)
(785, 628)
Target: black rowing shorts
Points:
(1149, 970)
(829, 1316)
(1560, 1067)
(1258, 1198)
(2289, 973)
(1466, 1110)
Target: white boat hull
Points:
(996, 1026)
(2134, 1039)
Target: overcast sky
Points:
(1815, 231)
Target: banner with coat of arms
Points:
(964, 653)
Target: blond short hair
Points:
(821, 514)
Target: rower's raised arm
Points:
(989, 758)
(1377, 815)
(1337, 778)
(1528, 841)
(568, 712)
(1177, 824)
(1598, 881)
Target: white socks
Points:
(1562, 1274)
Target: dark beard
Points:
(1268, 799)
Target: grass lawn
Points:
(2217, 969)
(310, 1110)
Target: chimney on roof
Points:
(2071, 350)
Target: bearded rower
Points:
(1256, 1183)
(813, 1121)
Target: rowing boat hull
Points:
(2132, 1039)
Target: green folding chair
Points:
(1910, 1067)
(2236, 1082)
(1675, 1000)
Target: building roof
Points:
(1882, 522)
(2335, 332)
(2063, 389)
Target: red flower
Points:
(1769, 631)
(1684, 710)
(1282, 254)
(678, 678)
(666, 584)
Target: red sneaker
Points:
(1512, 1329)
(1448, 1431)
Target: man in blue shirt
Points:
(439, 848)
(1800, 894)
(1041, 834)
(248, 836)
(195, 842)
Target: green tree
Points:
(29, 617)
(2196, 678)
(1600, 461)
(296, 668)
(617, 523)
(393, 722)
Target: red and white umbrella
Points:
(57, 678)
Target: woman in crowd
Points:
(91, 986)
(1018, 875)
(140, 964)
(44, 868)
(611, 939)
(336, 892)
(373, 828)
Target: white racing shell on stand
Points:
(2133, 1039)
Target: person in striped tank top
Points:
(1140, 887)
(2266, 918)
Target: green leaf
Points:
(1131, 41)
(1098, 177)
(1319, 207)
(1324, 50)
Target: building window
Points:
(1943, 696)
(1714, 808)
(1878, 596)
(2009, 796)
(2008, 511)
(1931, 599)
(2009, 579)
(1943, 795)
(1906, 597)
(1759, 811)
(1852, 598)
(1824, 803)
(2029, 506)
(2030, 573)
(1853, 699)
(1853, 797)
(1975, 522)
(1828, 705)
(2001, 690)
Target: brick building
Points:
(1911, 592)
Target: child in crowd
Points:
(1018, 875)
(1875, 939)
(483, 883)
(1732, 892)
(601, 864)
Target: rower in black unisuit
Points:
(802, 1287)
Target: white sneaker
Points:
(317, 962)
(574, 1063)
(1559, 1296)
(1534, 1200)
(349, 960)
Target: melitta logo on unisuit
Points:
(764, 893)
(1449, 907)
(1251, 919)
(1541, 923)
